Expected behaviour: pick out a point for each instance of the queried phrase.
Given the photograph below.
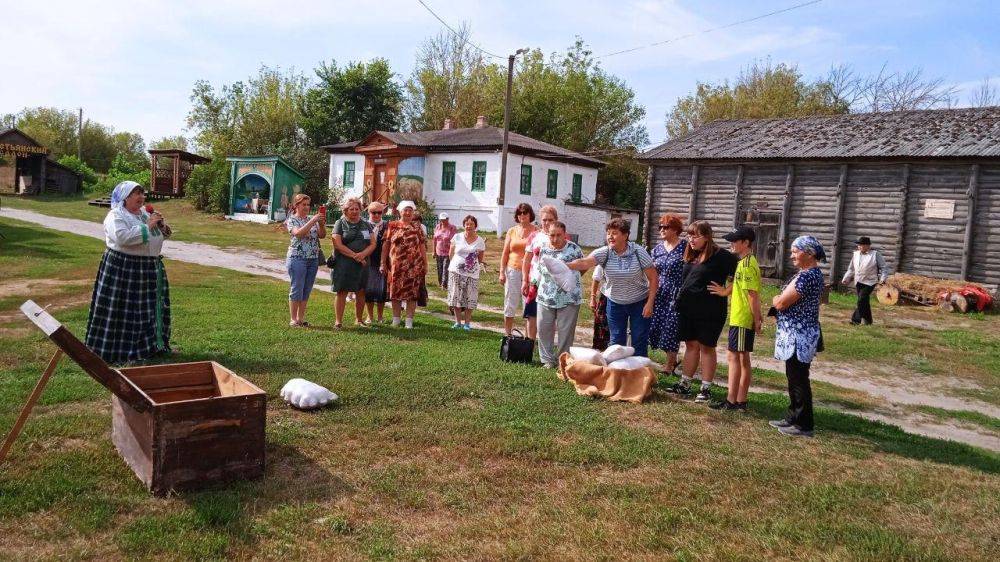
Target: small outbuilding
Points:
(262, 187)
(924, 185)
(170, 170)
(26, 167)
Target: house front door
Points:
(379, 183)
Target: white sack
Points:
(561, 273)
(616, 352)
(634, 362)
(587, 355)
(306, 395)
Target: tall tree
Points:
(350, 102)
(178, 142)
(451, 80)
(762, 90)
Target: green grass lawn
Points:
(440, 451)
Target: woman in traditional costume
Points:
(129, 317)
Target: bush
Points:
(122, 170)
(88, 176)
(208, 186)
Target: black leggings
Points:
(800, 408)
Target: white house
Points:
(458, 170)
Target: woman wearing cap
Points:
(630, 283)
(668, 257)
(302, 258)
(444, 232)
(530, 277)
(353, 240)
(511, 262)
(702, 314)
(867, 269)
(798, 337)
(376, 291)
(404, 261)
(129, 316)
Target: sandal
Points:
(304, 324)
(293, 324)
(338, 326)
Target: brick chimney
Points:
(447, 125)
(480, 121)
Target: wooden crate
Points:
(179, 426)
(205, 426)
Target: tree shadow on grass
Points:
(882, 437)
(25, 240)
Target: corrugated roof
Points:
(939, 133)
(474, 138)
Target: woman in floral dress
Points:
(404, 262)
(668, 257)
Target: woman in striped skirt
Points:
(129, 317)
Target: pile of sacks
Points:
(615, 373)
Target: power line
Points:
(455, 33)
(709, 30)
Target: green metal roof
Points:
(271, 158)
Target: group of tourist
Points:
(688, 289)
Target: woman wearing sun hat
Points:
(129, 316)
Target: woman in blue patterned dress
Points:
(668, 258)
(798, 337)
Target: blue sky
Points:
(132, 63)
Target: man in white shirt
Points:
(866, 270)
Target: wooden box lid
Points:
(89, 361)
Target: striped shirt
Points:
(625, 281)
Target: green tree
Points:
(762, 90)
(259, 116)
(452, 80)
(350, 102)
(56, 129)
(178, 142)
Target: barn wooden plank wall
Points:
(883, 200)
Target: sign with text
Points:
(939, 208)
(21, 149)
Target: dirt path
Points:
(894, 394)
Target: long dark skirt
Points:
(130, 309)
(601, 333)
(376, 289)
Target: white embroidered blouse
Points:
(128, 233)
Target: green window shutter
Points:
(448, 176)
(552, 188)
(479, 176)
(525, 179)
(577, 187)
(348, 174)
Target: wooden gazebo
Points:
(171, 169)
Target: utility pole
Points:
(506, 131)
(79, 136)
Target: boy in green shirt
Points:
(744, 317)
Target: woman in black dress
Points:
(353, 240)
(376, 291)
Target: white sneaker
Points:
(395, 321)
(409, 323)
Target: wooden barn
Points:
(26, 167)
(924, 185)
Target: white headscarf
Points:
(404, 204)
(121, 192)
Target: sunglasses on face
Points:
(522, 212)
(375, 213)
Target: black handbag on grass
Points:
(517, 348)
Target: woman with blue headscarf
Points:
(798, 337)
(130, 309)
